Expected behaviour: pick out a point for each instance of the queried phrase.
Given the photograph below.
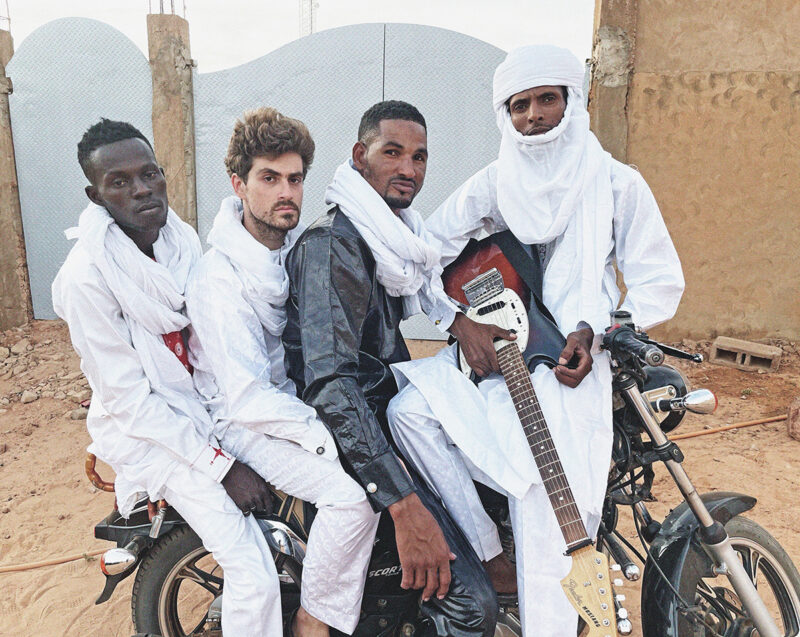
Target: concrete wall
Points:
(711, 116)
(67, 75)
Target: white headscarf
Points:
(556, 185)
(406, 255)
(265, 281)
(150, 294)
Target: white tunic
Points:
(481, 421)
(248, 383)
(133, 429)
(636, 239)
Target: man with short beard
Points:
(236, 301)
(354, 274)
(121, 292)
(581, 211)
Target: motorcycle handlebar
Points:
(622, 342)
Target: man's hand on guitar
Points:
(424, 554)
(477, 343)
(577, 349)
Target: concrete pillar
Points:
(612, 71)
(15, 292)
(173, 109)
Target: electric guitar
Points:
(588, 584)
(544, 340)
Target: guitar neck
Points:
(518, 380)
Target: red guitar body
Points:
(545, 341)
(479, 257)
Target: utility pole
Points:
(308, 17)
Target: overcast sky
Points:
(226, 33)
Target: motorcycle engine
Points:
(660, 382)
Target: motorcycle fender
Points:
(115, 528)
(111, 584)
(671, 549)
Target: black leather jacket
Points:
(341, 336)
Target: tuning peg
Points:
(619, 598)
(622, 613)
(624, 627)
(616, 567)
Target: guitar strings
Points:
(519, 384)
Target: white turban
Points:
(556, 185)
(535, 65)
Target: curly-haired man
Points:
(235, 300)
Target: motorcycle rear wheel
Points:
(179, 579)
(769, 567)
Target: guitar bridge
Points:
(483, 287)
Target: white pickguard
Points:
(505, 310)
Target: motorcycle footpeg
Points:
(507, 600)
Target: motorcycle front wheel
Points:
(719, 610)
(179, 580)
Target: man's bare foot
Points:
(305, 625)
(502, 573)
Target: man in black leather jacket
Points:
(342, 334)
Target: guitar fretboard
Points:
(518, 380)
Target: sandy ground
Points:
(48, 508)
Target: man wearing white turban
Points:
(558, 191)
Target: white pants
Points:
(339, 543)
(541, 565)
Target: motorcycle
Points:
(708, 570)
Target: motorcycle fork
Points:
(712, 533)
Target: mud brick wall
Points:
(711, 118)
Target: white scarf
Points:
(150, 294)
(266, 283)
(556, 185)
(406, 255)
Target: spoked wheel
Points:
(770, 569)
(178, 588)
(175, 587)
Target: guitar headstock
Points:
(588, 589)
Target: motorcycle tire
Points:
(775, 576)
(161, 605)
(154, 599)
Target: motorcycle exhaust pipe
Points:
(118, 560)
(282, 539)
(699, 401)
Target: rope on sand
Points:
(716, 430)
(58, 560)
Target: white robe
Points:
(241, 376)
(481, 421)
(133, 429)
(238, 365)
(155, 447)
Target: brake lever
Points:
(674, 352)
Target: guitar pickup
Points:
(492, 307)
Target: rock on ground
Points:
(28, 397)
